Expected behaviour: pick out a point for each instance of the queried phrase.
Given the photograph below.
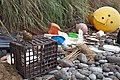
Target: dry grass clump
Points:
(39, 13)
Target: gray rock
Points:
(84, 72)
(72, 69)
(73, 77)
(82, 57)
(82, 65)
(57, 75)
(96, 69)
(48, 77)
(103, 61)
(105, 54)
(98, 57)
(37, 78)
(76, 66)
(86, 78)
(93, 65)
(76, 73)
(65, 69)
(65, 63)
(53, 72)
(110, 73)
(92, 76)
(103, 57)
(117, 74)
(96, 73)
(79, 75)
(106, 64)
(100, 76)
(105, 69)
(91, 62)
(110, 53)
(97, 63)
(117, 55)
(65, 75)
(60, 79)
(76, 62)
(111, 48)
(107, 79)
(112, 68)
(113, 77)
(113, 59)
(109, 41)
(105, 74)
(118, 68)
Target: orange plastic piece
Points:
(53, 29)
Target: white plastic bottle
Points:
(80, 37)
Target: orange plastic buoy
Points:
(53, 29)
(106, 19)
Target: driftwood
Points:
(85, 49)
(7, 72)
(73, 55)
(81, 48)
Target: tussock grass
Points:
(95, 4)
(39, 13)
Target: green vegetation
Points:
(17, 14)
(39, 13)
(99, 3)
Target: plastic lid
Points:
(59, 39)
(72, 35)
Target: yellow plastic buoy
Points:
(106, 19)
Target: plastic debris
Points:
(100, 33)
(59, 39)
(106, 19)
(53, 29)
(49, 35)
(67, 40)
(72, 35)
(80, 37)
(83, 27)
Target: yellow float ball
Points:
(106, 19)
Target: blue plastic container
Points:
(59, 39)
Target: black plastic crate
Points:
(34, 58)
